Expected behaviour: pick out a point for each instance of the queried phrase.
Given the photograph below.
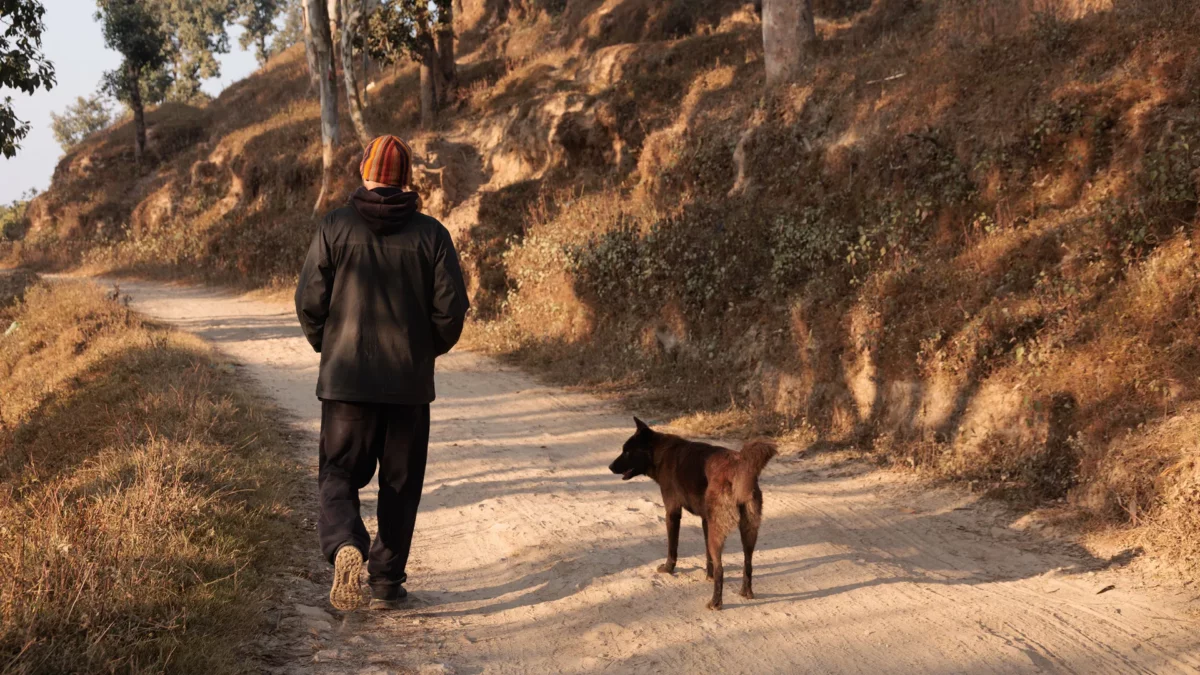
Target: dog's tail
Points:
(754, 456)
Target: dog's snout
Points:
(617, 466)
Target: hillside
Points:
(963, 241)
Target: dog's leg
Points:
(707, 553)
(750, 517)
(673, 518)
(716, 544)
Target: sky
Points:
(74, 44)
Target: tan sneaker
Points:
(346, 594)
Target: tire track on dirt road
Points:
(531, 558)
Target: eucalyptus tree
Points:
(424, 32)
(132, 29)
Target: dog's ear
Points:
(641, 426)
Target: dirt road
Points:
(531, 558)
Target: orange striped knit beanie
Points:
(387, 160)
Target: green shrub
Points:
(803, 246)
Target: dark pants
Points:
(354, 438)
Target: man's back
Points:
(381, 296)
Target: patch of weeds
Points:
(805, 245)
(1051, 29)
(1055, 119)
(887, 230)
(704, 260)
(609, 267)
(552, 7)
(1165, 201)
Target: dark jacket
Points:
(381, 295)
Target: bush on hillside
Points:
(13, 217)
(81, 119)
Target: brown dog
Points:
(715, 483)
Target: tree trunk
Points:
(364, 79)
(365, 76)
(334, 9)
(431, 78)
(428, 93)
(139, 114)
(310, 52)
(350, 17)
(447, 68)
(322, 41)
(808, 26)
(788, 32)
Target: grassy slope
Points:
(140, 488)
(963, 241)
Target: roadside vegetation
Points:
(12, 217)
(963, 241)
(141, 489)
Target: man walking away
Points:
(381, 295)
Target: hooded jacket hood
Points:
(384, 209)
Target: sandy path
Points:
(533, 559)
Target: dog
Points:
(715, 483)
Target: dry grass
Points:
(141, 489)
